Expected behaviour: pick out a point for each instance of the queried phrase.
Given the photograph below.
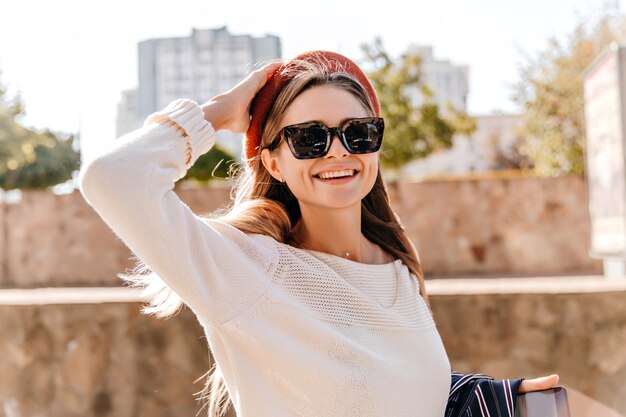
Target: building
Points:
(449, 83)
(495, 136)
(126, 118)
(198, 67)
(487, 148)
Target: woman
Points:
(309, 291)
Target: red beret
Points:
(276, 81)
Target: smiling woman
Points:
(307, 179)
(311, 295)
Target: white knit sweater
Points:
(295, 332)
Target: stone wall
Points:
(98, 360)
(579, 334)
(512, 226)
(105, 359)
(519, 225)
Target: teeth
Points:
(336, 174)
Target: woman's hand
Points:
(538, 384)
(231, 110)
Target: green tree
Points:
(410, 132)
(215, 164)
(31, 159)
(550, 91)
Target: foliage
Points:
(31, 159)
(550, 91)
(411, 131)
(217, 163)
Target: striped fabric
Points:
(473, 395)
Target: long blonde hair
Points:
(261, 204)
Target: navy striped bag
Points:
(473, 395)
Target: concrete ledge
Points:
(46, 296)
(534, 285)
(440, 286)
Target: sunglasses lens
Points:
(307, 142)
(364, 137)
(311, 140)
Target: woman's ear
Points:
(270, 162)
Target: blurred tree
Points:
(37, 160)
(410, 132)
(30, 159)
(510, 158)
(550, 90)
(215, 164)
(42, 160)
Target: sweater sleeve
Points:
(212, 266)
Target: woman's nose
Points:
(336, 146)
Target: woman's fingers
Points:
(267, 70)
(257, 78)
(249, 88)
(538, 384)
(233, 106)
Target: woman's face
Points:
(329, 105)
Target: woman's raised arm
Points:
(131, 187)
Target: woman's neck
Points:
(338, 232)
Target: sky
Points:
(69, 60)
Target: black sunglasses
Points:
(312, 139)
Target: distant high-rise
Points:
(198, 67)
(448, 82)
(127, 110)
